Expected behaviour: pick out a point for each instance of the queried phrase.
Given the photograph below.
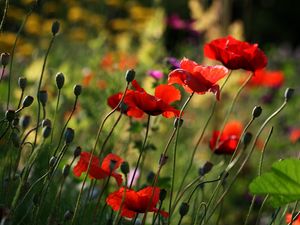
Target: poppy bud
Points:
(52, 161)
(178, 122)
(247, 139)
(163, 160)
(162, 194)
(288, 94)
(130, 75)
(55, 27)
(184, 208)
(28, 100)
(77, 152)
(123, 107)
(69, 135)
(46, 132)
(4, 58)
(112, 164)
(43, 97)
(68, 215)
(22, 83)
(150, 177)
(46, 123)
(66, 170)
(77, 90)
(256, 111)
(24, 121)
(125, 168)
(15, 139)
(10, 115)
(60, 80)
(206, 168)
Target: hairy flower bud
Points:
(256, 112)
(125, 167)
(69, 135)
(28, 100)
(60, 80)
(46, 131)
(22, 83)
(206, 168)
(24, 121)
(66, 170)
(184, 208)
(55, 27)
(4, 59)
(77, 89)
(43, 97)
(52, 161)
(162, 194)
(10, 115)
(130, 75)
(46, 123)
(288, 94)
(77, 152)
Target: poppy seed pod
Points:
(52, 161)
(178, 122)
(77, 89)
(112, 164)
(68, 215)
(43, 97)
(60, 80)
(10, 115)
(162, 194)
(46, 123)
(206, 168)
(66, 170)
(22, 83)
(46, 131)
(247, 139)
(256, 112)
(28, 100)
(69, 135)
(288, 94)
(24, 121)
(77, 152)
(130, 75)
(55, 27)
(184, 208)
(4, 58)
(125, 168)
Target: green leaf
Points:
(282, 183)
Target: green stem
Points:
(4, 15)
(55, 114)
(260, 209)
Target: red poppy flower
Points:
(97, 171)
(140, 102)
(266, 78)
(197, 78)
(288, 219)
(135, 202)
(295, 135)
(235, 54)
(228, 139)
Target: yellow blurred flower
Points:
(113, 2)
(78, 34)
(120, 24)
(25, 49)
(94, 20)
(76, 14)
(140, 12)
(7, 40)
(50, 7)
(33, 25)
(15, 14)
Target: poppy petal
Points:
(107, 160)
(167, 93)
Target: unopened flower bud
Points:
(184, 208)
(28, 100)
(22, 83)
(247, 139)
(46, 123)
(52, 161)
(112, 164)
(256, 111)
(125, 167)
(60, 80)
(55, 27)
(66, 170)
(4, 59)
(43, 97)
(15, 139)
(162, 194)
(10, 115)
(178, 122)
(24, 121)
(206, 168)
(68, 215)
(69, 135)
(77, 90)
(46, 132)
(130, 75)
(163, 160)
(288, 94)
(77, 152)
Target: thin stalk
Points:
(260, 209)
(274, 216)
(294, 218)
(118, 217)
(4, 15)
(2, 73)
(55, 114)
(21, 97)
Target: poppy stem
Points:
(92, 153)
(20, 100)
(2, 72)
(55, 114)
(134, 219)
(141, 152)
(294, 218)
(118, 217)
(248, 156)
(260, 209)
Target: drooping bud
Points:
(256, 112)
(55, 27)
(46, 123)
(184, 208)
(22, 83)
(66, 170)
(69, 135)
(43, 97)
(46, 131)
(60, 80)
(288, 94)
(52, 161)
(24, 121)
(206, 168)
(130, 75)
(4, 59)
(77, 90)
(247, 139)
(10, 115)
(77, 152)
(28, 100)
(162, 194)
(125, 167)
(178, 122)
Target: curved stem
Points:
(21, 97)
(2, 73)
(260, 209)
(4, 15)
(55, 114)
